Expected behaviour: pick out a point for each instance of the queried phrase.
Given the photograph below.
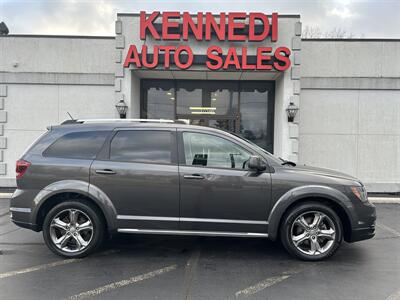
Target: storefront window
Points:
(243, 107)
(189, 98)
(256, 112)
(159, 100)
(207, 98)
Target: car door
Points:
(138, 171)
(218, 191)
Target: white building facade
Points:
(347, 91)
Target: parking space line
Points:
(4, 212)
(10, 231)
(122, 283)
(37, 268)
(191, 266)
(391, 230)
(50, 265)
(251, 290)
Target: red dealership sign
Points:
(233, 27)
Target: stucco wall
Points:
(43, 78)
(56, 54)
(350, 109)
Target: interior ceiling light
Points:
(202, 110)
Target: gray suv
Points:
(85, 180)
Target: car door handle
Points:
(106, 172)
(193, 176)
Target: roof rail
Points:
(73, 121)
(87, 121)
(125, 120)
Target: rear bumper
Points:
(26, 225)
(21, 207)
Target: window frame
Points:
(181, 149)
(105, 154)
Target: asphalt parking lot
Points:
(163, 267)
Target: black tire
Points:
(290, 217)
(96, 219)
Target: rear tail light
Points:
(21, 168)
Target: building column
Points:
(3, 119)
(295, 76)
(286, 135)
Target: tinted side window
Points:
(212, 151)
(148, 146)
(81, 145)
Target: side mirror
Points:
(256, 163)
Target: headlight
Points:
(360, 193)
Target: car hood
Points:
(324, 172)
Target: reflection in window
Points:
(79, 145)
(225, 101)
(207, 98)
(189, 98)
(159, 100)
(141, 146)
(214, 152)
(256, 117)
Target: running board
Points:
(194, 232)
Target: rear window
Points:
(79, 145)
(146, 146)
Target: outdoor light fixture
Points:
(122, 108)
(291, 111)
(3, 29)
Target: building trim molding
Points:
(350, 83)
(57, 78)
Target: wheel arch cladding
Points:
(321, 194)
(55, 194)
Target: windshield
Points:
(272, 157)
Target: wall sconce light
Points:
(291, 111)
(122, 108)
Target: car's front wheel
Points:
(311, 231)
(73, 229)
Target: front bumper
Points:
(365, 228)
(360, 234)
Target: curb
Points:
(5, 195)
(384, 200)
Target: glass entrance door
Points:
(214, 104)
(242, 107)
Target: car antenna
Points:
(70, 115)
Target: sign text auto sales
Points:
(233, 27)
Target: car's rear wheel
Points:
(311, 231)
(73, 229)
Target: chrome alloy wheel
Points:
(313, 233)
(71, 230)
